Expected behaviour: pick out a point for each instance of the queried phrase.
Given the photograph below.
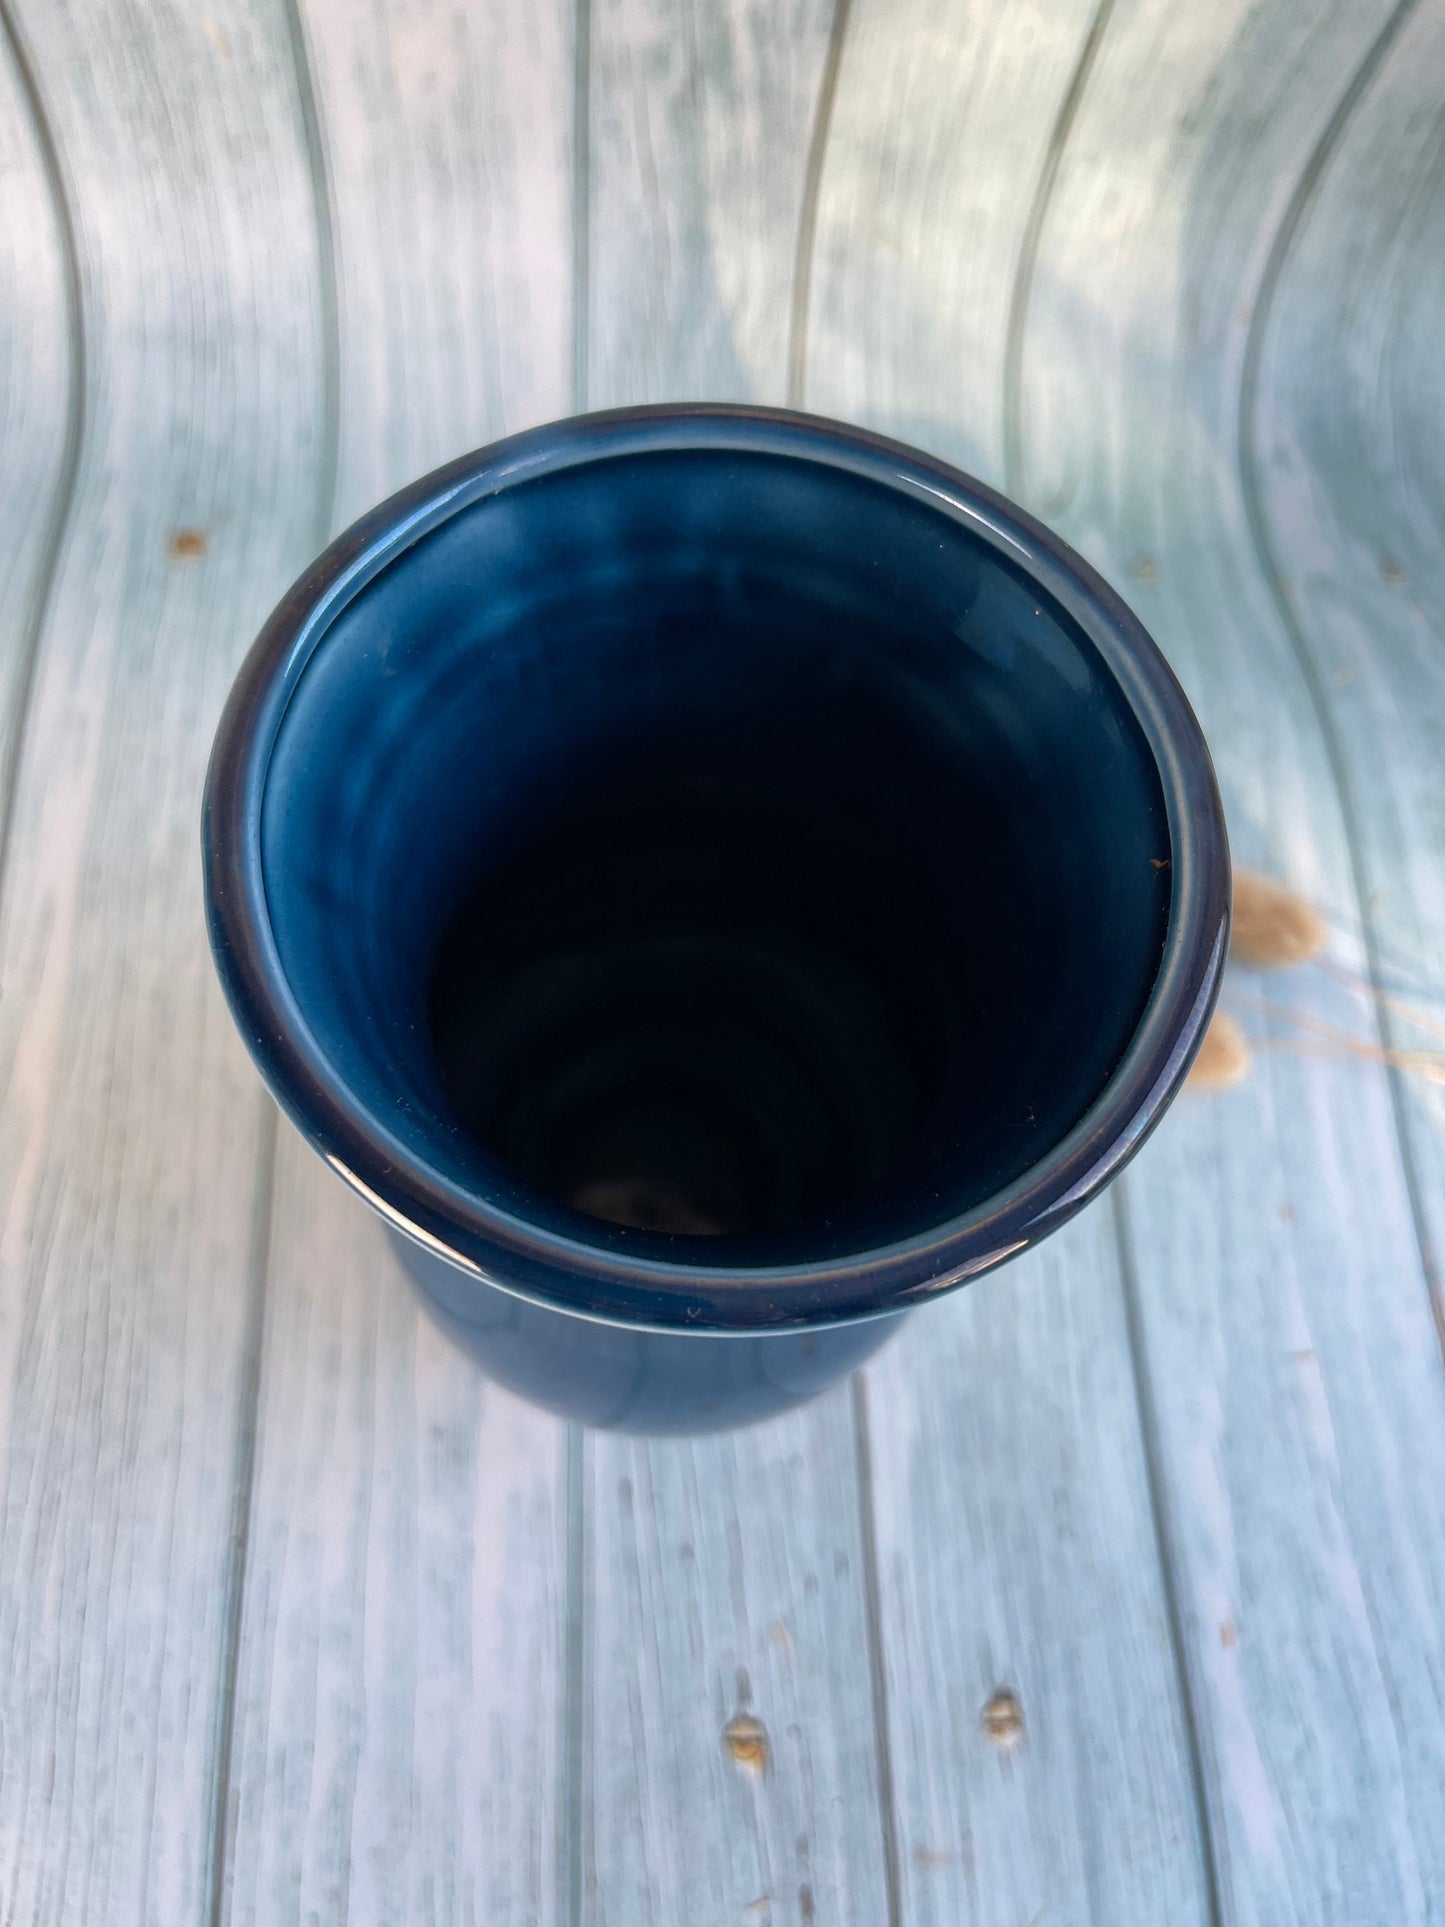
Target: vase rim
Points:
(569, 1273)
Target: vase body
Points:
(712, 880)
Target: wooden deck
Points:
(299, 1620)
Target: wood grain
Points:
(726, 1577)
(302, 1620)
(1345, 469)
(1017, 1543)
(721, 1574)
(447, 132)
(699, 129)
(1017, 1556)
(941, 129)
(1281, 1304)
(40, 393)
(400, 1747)
(130, 1119)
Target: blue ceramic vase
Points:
(711, 879)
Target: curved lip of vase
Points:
(598, 1281)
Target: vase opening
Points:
(716, 852)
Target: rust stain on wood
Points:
(746, 1739)
(1003, 1718)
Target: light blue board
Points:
(400, 1743)
(130, 1120)
(1294, 1375)
(303, 1621)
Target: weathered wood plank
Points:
(1345, 468)
(397, 1718)
(1017, 1558)
(1017, 1545)
(726, 1576)
(448, 133)
(39, 393)
(1295, 1389)
(700, 126)
(400, 1749)
(722, 1574)
(130, 1118)
(942, 127)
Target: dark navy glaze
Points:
(636, 1381)
(735, 815)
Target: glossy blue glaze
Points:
(710, 877)
(636, 1381)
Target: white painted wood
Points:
(940, 132)
(448, 137)
(1016, 1555)
(1041, 238)
(725, 1570)
(726, 1576)
(399, 1745)
(1294, 1376)
(39, 417)
(700, 122)
(1352, 502)
(130, 1117)
(1017, 1545)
